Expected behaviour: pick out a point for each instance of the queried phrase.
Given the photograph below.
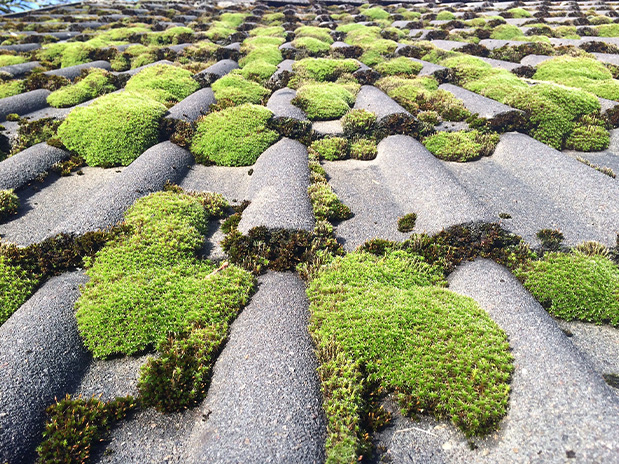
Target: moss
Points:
(608, 30)
(603, 169)
(95, 84)
(114, 130)
(326, 204)
(323, 69)
(164, 83)
(318, 33)
(445, 16)
(551, 239)
(10, 88)
(361, 303)
(219, 30)
(74, 425)
(267, 53)
(376, 13)
(179, 378)
(312, 45)
(580, 72)
(276, 249)
(461, 146)
(16, 285)
(401, 66)
(273, 18)
(519, 13)
(234, 136)
(174, 35)
(235, 89)
(331, 148)
(322, 101)
(204, 50)
(233, 19)
(7, 60)
(121, 34)
(575, 286)
(358, 122)
(407, 222)
(588, 137)
(258, 71)
(9, 204)
(30, 133)
(363, 149)
(148, 284)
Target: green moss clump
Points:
(174, 35)
(312, 45)
(233, 20)
(588, 137)
(233, 137)
(7, 60)
(326, 204)
(268, 31)
(323, 101)
(361, 304)
(16, 285)
(164, 83)
(10, 88)
(401, 66)
(330, 148)
(363, 149)
(519, 13)
(575, 286)
(219, 31)
(323, 69)
(461, 146)
(580, 72)
(114, 130)
(36, 131)
(9, 203)
(258, 71)
(358, 122)
(178, 378)
(445, 16)
(236, 90)
(376, 13)
(318, 33)
(507, 32)
(149, 284)
(608, 30)
(407, 222)
(96, 83)
(74, 425)
(267, 53)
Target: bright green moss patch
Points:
(445, 16)
(258, 70)
(588, 135)
(10, 88)
(376, 13)
(233, 20)
(575, 286)
(318, 33)
(267, 53)
(163, 82)
(96, 83)
(358, 122)
(7, 60)
(235, 89)
(608, 30)
(114, 130)
(330, 148)
(312, 45)
(233, 137)
(437, 351)
(148, 284)
(519, 13)
(16, 285)
(363, 149)
(323, 69)
(74, 425)
(322, 101)
(401, 66)
(584, 73)
(326, 204)
(219, 30)
(461, 146)
(507, 32)
(174, 35)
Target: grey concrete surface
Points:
(23, 103)
(72, 72)
(41, 357)
(264, 403)
(214, 72)
(194, 106)
(25, 166)
(278, 189)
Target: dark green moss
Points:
(363, 149)
(30, 133)
(407, 222)
(330, 148)
(551, 239)
(358, 122)
(74, 425)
